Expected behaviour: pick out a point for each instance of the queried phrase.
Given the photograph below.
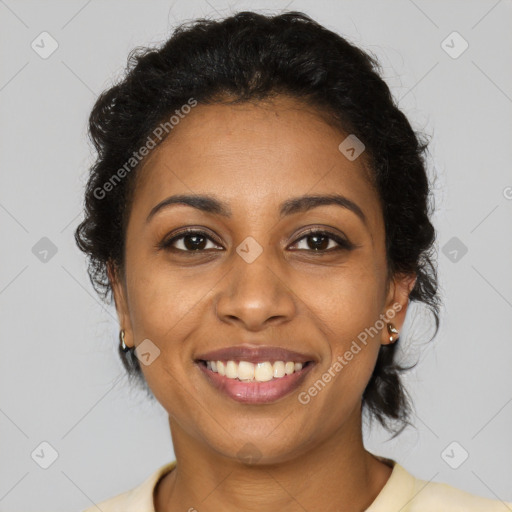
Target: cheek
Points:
(170, 309)
(347, 304)
(348, 312)
(162, 302)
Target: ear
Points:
(120, 298)
(397, 301)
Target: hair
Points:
(254, 57)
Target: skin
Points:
(254, 157)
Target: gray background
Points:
(61, 380)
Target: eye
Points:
(189, 240)
(321, 241)
(314, 240)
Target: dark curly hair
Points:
(253, 57)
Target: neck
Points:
(336, 475)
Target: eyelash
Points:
(343, 244)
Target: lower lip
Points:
(256, 392)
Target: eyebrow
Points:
(212, 205)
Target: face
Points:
(256, 272)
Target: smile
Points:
(259, 382)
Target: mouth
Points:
(255, 375)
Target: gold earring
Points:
(124, 347)
(391, 330)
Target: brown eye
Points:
(188, 241)
(323, 241)
(315, 241)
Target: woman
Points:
(259, 212)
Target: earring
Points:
(122, 344)
(391, 330)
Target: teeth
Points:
(250, 372)
(231, 370)
(245, 370)
(263, 372)
(279, 369)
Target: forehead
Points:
(254, 156)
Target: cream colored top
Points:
(402, 492)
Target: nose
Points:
(255, 295)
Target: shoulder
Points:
(138, 499)
(436, 496)
(406, 493)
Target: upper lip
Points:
(255, 354)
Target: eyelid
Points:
(168, 240)
(342, 241)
